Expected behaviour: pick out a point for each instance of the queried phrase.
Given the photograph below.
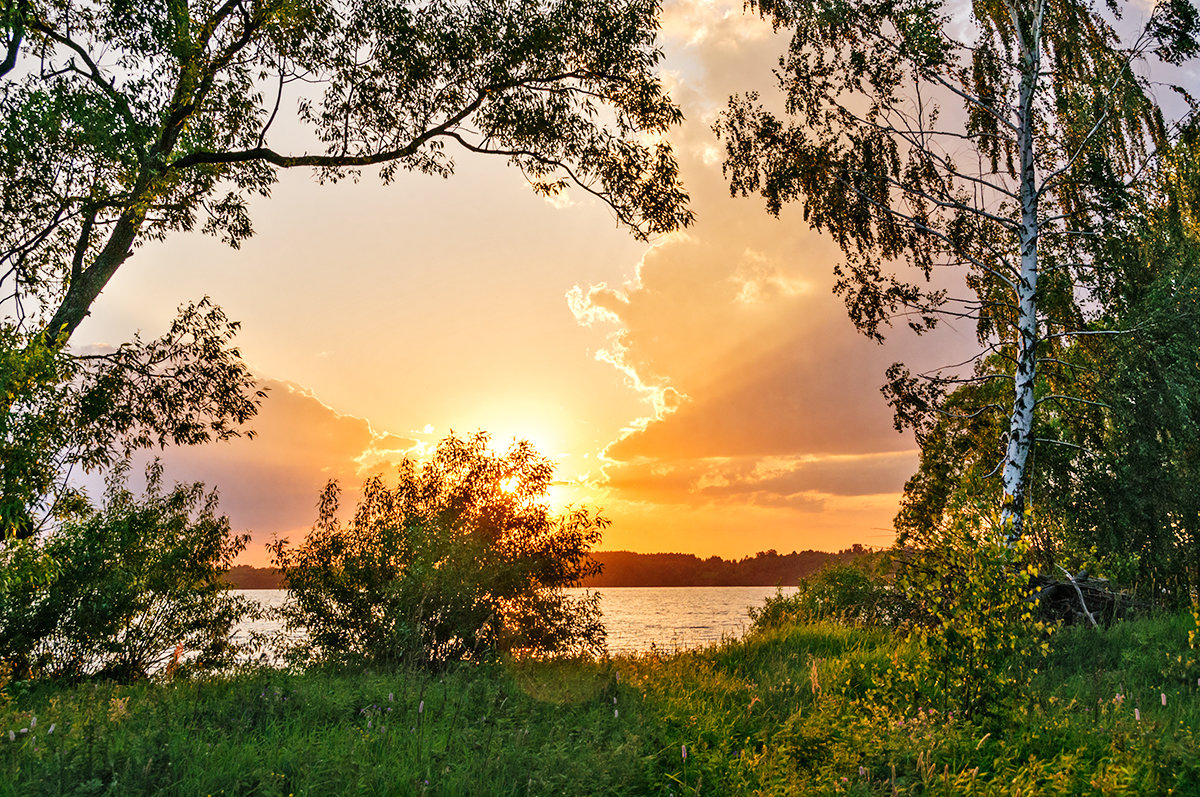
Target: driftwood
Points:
(1079, 599)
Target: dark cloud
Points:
(269, 484)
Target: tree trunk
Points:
(1020, 429)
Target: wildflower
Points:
(614, 713)
(683, 749)
(118, 708)
(862, 772)
(845, 780)
(391, 698)
(1164, 698)
(1137, 714)
(368, 725)
(421, 708)
(614, 700)
(1119, 699)
(33, 720)
(51, 729)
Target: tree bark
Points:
(86, 286)
(1020, 429)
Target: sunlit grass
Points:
(792, 710)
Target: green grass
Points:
(794, 710)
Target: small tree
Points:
(117, 592)
(971, 617)
(461, 559)
(1014, 189)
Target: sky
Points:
(705, 389)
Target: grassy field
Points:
(794, 710)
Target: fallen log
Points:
(1080, 599)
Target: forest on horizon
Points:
(629, 569)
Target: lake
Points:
(641, 618)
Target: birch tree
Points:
(1123, 491)
(994, 140)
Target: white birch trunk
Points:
(1020, 429)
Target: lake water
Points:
(641, 618)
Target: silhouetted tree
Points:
(461, 559)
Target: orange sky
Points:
(706, 389)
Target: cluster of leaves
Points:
(60, 409)
(117, 591)
(860, 592)
(973, 617)
(462, 558)
(32, 430)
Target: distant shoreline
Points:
(629, 569)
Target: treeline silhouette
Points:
(629, 569)
(765, 568)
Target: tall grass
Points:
(794, 709)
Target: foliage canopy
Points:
(461, 559)
(995, 140)
(1119, 492)
(125, 122)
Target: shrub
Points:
(859, 592)
(973, 617)
(461, 559)
(124, 587)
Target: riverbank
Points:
(793, 710)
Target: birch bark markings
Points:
(1020, 430)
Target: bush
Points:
(860, 592)
(461, 559)
(116, 592)
(973, 617)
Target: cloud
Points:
(269, 484)
(800, 481)
(759, 392)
